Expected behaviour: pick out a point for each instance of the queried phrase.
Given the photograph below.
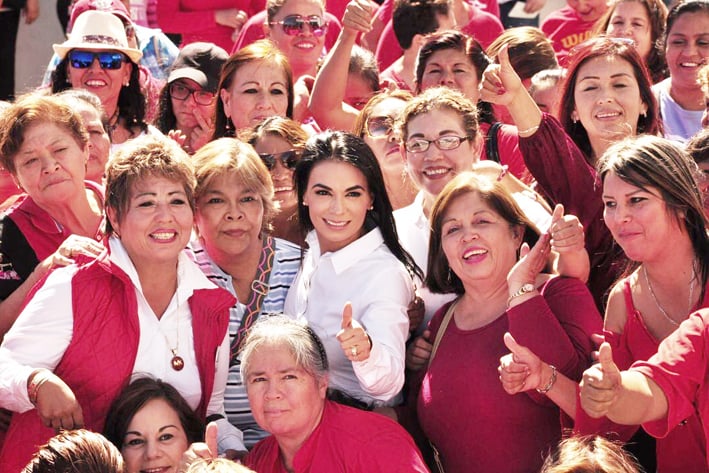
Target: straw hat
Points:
(95, 29)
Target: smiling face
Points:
(157, 223)
(154, 440)
(282, 176)
(630, 19)
(338, 197)
(451, 68)
(229, 218)
(608, 101)
(258, 90)
(432, 169)
(50, 165)
(285, 400)
(100, 148)
(105, 83)
(478, 243)
(304, 49)
(638, 219)
(687, 48)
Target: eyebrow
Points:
(628, 194)
(440, 133)
(151, 193)
(243, 84)
(614, 76)
(140, 434)
(323, 186)
(57, 141)
(483, 211)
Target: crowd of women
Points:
(504, 269)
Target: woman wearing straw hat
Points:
(97, 57)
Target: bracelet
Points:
(38, 380)
(528, 131)
(551, 382)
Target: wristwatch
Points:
(525, 289)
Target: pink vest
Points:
(99, 360)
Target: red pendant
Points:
(177, 363)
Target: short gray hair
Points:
(301, 340)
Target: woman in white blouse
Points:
(142, 307)
(356, 280)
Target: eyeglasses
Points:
(180, 92)
(287, 158)
(444, 143)
(379, 126)
(293, 25)
(108, 60)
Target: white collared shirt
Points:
(380, 289)
(47, 322)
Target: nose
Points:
(95, 65)
(49, 163)
(264, 102)
(273, 390)
(446, 78)
(336, 205)
(469, 233)
(152, 449)
(234, 212)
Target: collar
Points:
(351, 254)
(189, 277)
(413, 213)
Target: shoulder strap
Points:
(491, 148)
(442, 329)
(628, 293)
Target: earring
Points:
(371, 207)
(449, 277)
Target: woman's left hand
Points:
(530, 264)
(202, 133)
(206, 450)
(353, 338)
(566, 232)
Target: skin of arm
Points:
(326, 100)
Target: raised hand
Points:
(600, 384)
(358, 16)
(521, 369)
(419, 352)
(530, 264)
(566, 232)
(500, 82)
(353, 338)
(202, 133)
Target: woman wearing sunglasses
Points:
(187, 101)
(279, 142)
(235, 250)
(96, 57)
(375, 126)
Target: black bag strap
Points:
(491, 149)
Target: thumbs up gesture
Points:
(600, 384)
(520, 370)
(500, 83)
(566, 232)
(353, 339)
(206, 450)
(358, 16)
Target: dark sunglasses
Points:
(180, 92)
(379, 126)
(288, 159)
(108, 60)
(293, 25)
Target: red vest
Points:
(99, 360)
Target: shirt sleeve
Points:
(228, 437)
(386, 322)
(47, 322)
(679, 368)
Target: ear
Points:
(266, 29)
(322, 386)
(17, 182)
(113, 218)
(418, 41)
(575, 116)
(477, 146)
(127, 73)
(643, 109)
(518, 235)
(226, 100)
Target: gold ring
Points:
(353, 350)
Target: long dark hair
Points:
(348, 148)
(166, 119)
(131, 101)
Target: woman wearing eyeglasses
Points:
(96, 57)
(188, 100)
(279, 142)
(375, 125)
(235, 250)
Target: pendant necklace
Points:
(177, 362)
(657, 303)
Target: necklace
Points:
(113, 122)
(177, 362)
(657, 303)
